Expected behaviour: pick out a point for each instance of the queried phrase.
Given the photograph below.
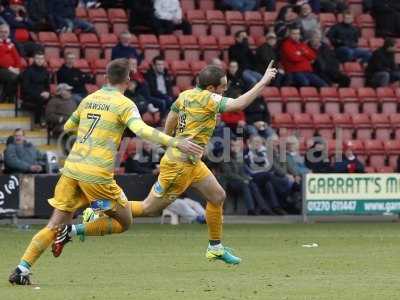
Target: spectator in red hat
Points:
(10, 63)
(297, 58)
(349, 163)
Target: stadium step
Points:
(36, 137)
(11, 123)
(42, 148)
(8, 110)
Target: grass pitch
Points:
(353, 261)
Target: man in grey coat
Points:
(21, 156)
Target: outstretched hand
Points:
(188, 147)
(269, 74)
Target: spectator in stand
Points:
(297, 58)
(21, 156)
(10, 64)
(295, 164)
(326, 65)
(159, 81)
(37, 13)
(124, 49)
(344, 37)
(349, 163)
(270, 5)
(168, 15)
(146, 160)
(63, 18)
(333, 6)
(60, 108)
(309, 22)
(35, 88)
(142, 14)
(242, 53)
(387, 17)
(236, 182)
(260, 167)
(317, 159)
(74, 77)
(315, 5)
(257, 114)
(382, 69)
(267, 52)
(235, 79)
(241, 5)
(16, 17)
(286, 18)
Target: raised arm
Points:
(170, 123)
(247, 98)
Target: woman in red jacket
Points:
(297, 58)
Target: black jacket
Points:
(75, 78)
(243, 55)
(326, 65)
(387, 17)
(235, 83)
(381, 60)
(322, 165)
(151, 79)
(35, 80)
(257, 111)
(343, 34)
(37, 10)
(264, 54)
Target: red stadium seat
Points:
(81, 12)
(182, 72)
(206, 5)
(392, 150)
(176, 91)
(170, 47)
(189, 44)
(291, 97)
(107, 42)
(197, 66)
(369, 169)
(269, 18)
(150, 46)
(353, 69)
(311, 99)
(51, 44)
(382, 126)
(367, 33)
(198, 20)
(216, 20)
(117, 15)
(188, 5)
(255, 22)
(388, 99)
(375, 43)
(118, 28)
(343, 126)
(363, 43)
(350, 101)
(362, 126)
(357, 146)
(97, 15)
(386, 169)
(330, 97)
(210, 47)
(272, 97)
(375, 151)
(235, 21)
(365, 21)
(368, 99)
(55, 63)
(283, 123)
(327, 19)
(323, 124)
(224, 43)
(83, 65)
(70, 43)
(304, 123)
(395, 124)
(90, 45)
(99, 65)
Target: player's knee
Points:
(220, 196)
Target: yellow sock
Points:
(103, 226)
(137, 208)
(214, 221)
(39, 243)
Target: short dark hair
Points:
(389, 42)
(210, 75)
(347, 12)
(118, 71)
(239, 32)
(19, 129)
(158, 57)
(38, 52)
(293, 27)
